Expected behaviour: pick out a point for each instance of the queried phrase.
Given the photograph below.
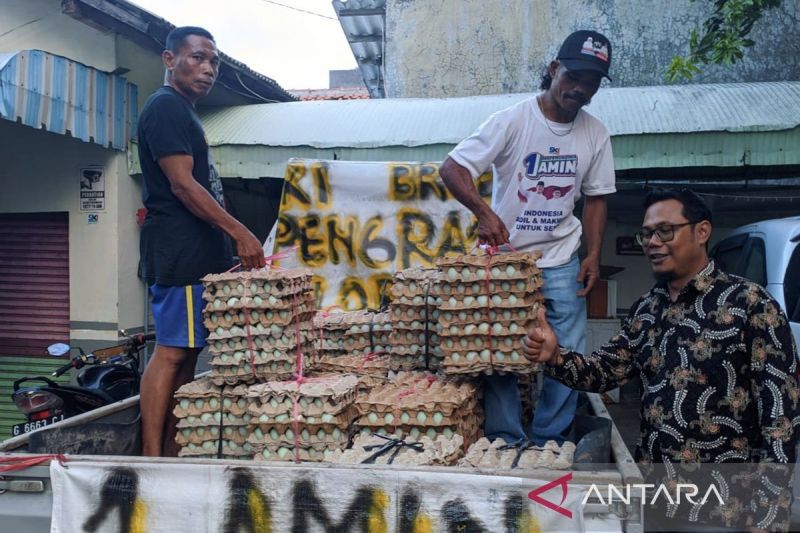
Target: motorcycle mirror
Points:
(58, 350)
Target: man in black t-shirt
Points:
(187, 233)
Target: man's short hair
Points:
(177, 36)
(694, 208)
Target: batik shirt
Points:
(719, 374)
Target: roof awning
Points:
(46, 91)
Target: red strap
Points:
(490, 251)
(15, 463)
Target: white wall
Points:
(438, 48)
(39, 24)
(41, 173)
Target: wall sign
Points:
(93, 189)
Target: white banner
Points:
(356, 223)
(150, 497)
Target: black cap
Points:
(586, 50)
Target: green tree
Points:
(724, 36)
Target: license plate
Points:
(27, 427)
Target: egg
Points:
(213, 403)
(497, 299)
(520, 285)
(372, 417)
(305, 435)
(404, 417)
(469, 329)
(506, 286)
(512, 299)
(513, 328)
(388, 418)
(336, 433)
(455, 357)
(495, 272)
(479, 342)
(438, 417)
(283, 452)
(414, 433)
(327, 417)
(482, 300)
(217, 305)
(448, 433)
(499, 356)
(452, 302)
(469, 300)
(321, 434)
(233, 301)
(471, 356)
(486, 355)
(510, 270)
(449, 343)
(452, 274)
(453, 329)
(515, 356)
(184, 404)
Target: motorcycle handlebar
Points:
(61, 370)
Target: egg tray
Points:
(214, 420)
(316, 396)
(551, 456)
(478, 288)
(470, 432)
(230, 450)
(442, 451)
(409, 313)
(258, 300)
(418, 391)
(272, 437)
(410, 342)
(246, 357)
(286, 453)
(414, 281)
(264, 289)
(286, 343)
(234, 375)
(359, 365)
(417, 302)
(199, 435)
(496, 301)
(408, 418)
(366, 321)
(521, 316)
(235, 405)
(288, 277)
(522, 260)
(265, 318)
(462, 366)
(363, 341)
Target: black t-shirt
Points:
(176, 247)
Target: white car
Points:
(767, 252)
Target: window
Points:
(755, 265)
(728, 253)
(791, 286)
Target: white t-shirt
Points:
(538, 175)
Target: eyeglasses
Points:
(665, 233)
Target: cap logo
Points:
(597, 48)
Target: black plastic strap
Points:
(221, 424)
(391, 444)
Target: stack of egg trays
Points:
(259, 322)
(368, 333)
(414, 313)
(488, 302)
(205, 411)
(330, 328)
(419, 403)
(325, 414)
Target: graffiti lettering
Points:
(413, 182)
(119, 492)
(366, 512)
(247, 508)
(294, 194)
(320, 241)
(373, 292)
(416, 233)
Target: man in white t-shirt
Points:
(547, 152)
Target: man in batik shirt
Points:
(718, 367)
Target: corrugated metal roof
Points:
(363, 23)
(51, 92)
(739, 107)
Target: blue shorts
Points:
(178, 314)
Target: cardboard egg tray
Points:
(416, 404)
(313, 416)
(439, 451)
(376, 366)
(265, 282)
(331, 327)
(486, 454)
(287, 453)
(209, 414)
(502, 266)
(300, 311)
(414, 314)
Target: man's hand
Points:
(540, 345)
(589, 274)
(251, 255)
(491, 229)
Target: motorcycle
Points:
(106, 376)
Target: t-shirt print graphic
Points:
(544, 191)
(215, 183)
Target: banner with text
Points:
(356, 223)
